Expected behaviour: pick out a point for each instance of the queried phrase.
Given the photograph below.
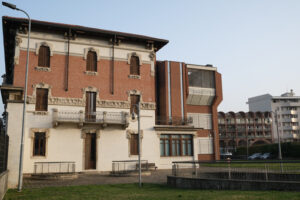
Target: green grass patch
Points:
(147, 192)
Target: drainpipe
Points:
(112, 66)
(67, 63)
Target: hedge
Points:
(288, 149)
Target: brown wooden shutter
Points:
(134, 99)
(134, 65)
(134, 144)
(44, 56)
(91, 61)
(41, 103)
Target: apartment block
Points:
(287, 108)
(244, 129)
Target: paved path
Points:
(158, 176)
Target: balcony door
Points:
(90, 150)
(90, 107)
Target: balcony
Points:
(80, 118)
(201, 96)
(176, 121)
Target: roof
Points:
(158, 43)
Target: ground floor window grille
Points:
(39, 148)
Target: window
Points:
(90, 106)
(134, 65)
(134, 139)
(39, 146)
(201, 78)
(176, 145)
(134, 99)
(41, 103)
(91, 61)
(44, 56)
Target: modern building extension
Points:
(287, 107)
(244, 129)
(83, 85)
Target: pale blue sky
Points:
(254, 43)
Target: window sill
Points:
(134, 76)
(42, 69)
(175, 156)
(40, 112)
(91, 73)
(38, 157)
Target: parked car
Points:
(254, 156)
(265, 156)
(226, 155)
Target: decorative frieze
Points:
(91, 73)
(100, 103)
(42, 69)
(134, 76)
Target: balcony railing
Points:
(162, 120)
(100, 117)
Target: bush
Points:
(288, 149)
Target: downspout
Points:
(181, 93)
(169, 92)
(67, 64)
(112, 66)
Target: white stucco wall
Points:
(65, 142)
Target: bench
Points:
(147, 166)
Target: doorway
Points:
(90, 151)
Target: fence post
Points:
(266, 171)
(229, 170)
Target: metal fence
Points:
(128, 166)
(54, 167)
(4, 139)
(239, 170)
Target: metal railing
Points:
(163, 120)
(239, 170)
(100, 117)
(128, 166)
(54, 167)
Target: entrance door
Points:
(90, 107)
(90, 151)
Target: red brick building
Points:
(83, 84)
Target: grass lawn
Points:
(149, 191)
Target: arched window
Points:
(91, 61)
(134, 65)
(44, 56)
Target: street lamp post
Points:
(278, 136)
(139, 140)
(20, 179)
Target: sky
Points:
(255, 44)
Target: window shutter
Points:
(134, 65)
(134, 99)
(44, 56)
(41, 99)
(91, 61)
(134, 144)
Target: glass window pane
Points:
(178, 147)
(173, 148)
(167, 148)
(189, 147)
(162, 149)
(184, 147)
